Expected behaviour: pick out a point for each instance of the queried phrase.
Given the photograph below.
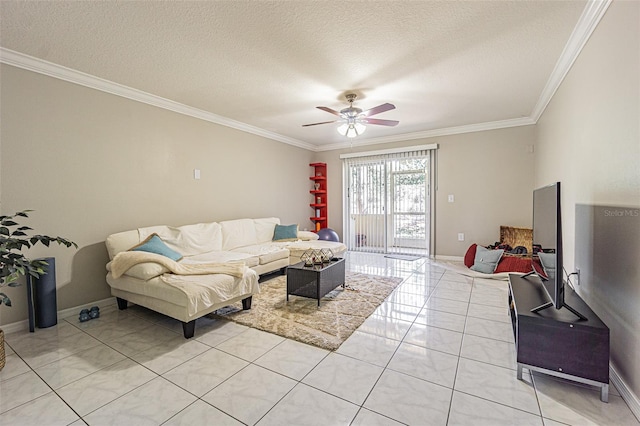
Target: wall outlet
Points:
(451, 198)
(460, 236)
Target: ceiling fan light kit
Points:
(351, 130)
(353, 120)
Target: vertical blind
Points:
(387, 202)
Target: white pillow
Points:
(486, 261)
(238, 233)
(308, 236)
(264, 228)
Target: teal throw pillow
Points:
(486, 260)
(154, 244)
(285, 233)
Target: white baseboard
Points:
(65, 313)
(629, 397)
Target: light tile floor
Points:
(439, 351)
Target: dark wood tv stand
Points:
(556, 342)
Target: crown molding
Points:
(480, 127)
(30, 63)
(591, 16)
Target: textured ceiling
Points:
(270, 63)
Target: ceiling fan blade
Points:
(329, 110)
(315, 124)
(379, 109)
(381, 122)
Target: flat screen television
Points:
(547, 246)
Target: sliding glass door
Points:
(387, 203)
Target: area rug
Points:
(340, 313)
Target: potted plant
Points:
(13, 264)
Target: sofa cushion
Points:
(486, 260)
(188, 239)
(238, 233)
(222, 257)
(154, 244)
(205, 291)
(121, 241)
(266, 253)
(285, 233)
(264, 228)
(307, 236)
(297, 248)
(152, 289)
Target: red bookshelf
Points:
(319, 192)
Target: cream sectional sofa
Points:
(188, 297)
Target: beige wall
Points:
(589, 139)
(489, 173)
(91, 164)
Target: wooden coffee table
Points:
(315, 281)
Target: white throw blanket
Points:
(188, 240)
(204, 291)
(123, 261)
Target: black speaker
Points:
(46, 306)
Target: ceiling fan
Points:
(354, 120)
